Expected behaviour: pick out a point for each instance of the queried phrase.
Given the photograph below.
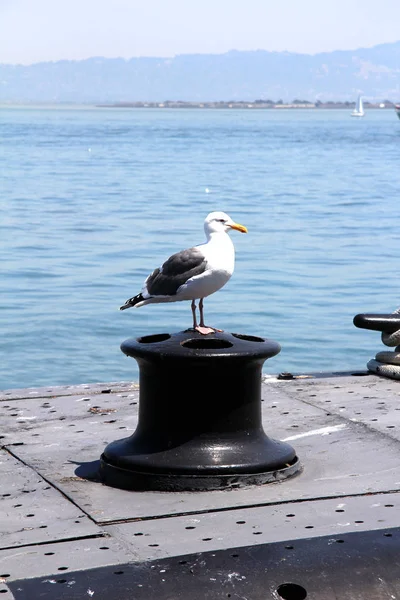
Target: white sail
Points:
(359, 109)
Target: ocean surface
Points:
(93, 199)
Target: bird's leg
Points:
(201, 311)
(203, 329)
(200, 328)
(193, 306)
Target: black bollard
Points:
(199, 416)
(387, 323)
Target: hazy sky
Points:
(37, 30)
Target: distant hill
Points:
(339, 75)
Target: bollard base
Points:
(127, 479)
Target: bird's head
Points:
(219, 221)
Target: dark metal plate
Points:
(349, 567)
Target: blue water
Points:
(93, 199)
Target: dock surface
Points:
(330, 532)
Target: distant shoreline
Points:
(241, 105)
(258, 104)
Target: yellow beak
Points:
(238, 227)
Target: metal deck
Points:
(331, 532)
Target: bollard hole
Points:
(291, 591)
(248, 338)
(206, 344)
(152, 339)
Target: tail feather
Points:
(132, 302)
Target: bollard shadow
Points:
(88, 470)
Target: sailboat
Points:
(359, 109)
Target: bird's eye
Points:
(221, 220)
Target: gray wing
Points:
(175, 272)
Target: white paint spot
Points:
(321, 431)
(90, 592)
(26, 418)
(236, 576)
(345, 476)
(340, 506)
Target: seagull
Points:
(195, 273)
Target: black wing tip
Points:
(132, 302)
